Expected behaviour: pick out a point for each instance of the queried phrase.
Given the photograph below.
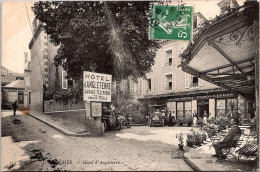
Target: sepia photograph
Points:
(168, 85)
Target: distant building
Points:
(8, 76)
(12, 92)
(226, 5)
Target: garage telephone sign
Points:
(97, 87)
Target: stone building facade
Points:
(179, 92)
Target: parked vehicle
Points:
(126, 120)
(156, 117)
(111, 120)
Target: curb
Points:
(60, 129)
(191, 164)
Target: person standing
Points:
(15, 107)
(205, 117)
(195, 118)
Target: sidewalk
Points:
(199, 158)
(62, 127)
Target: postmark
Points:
(171, 22)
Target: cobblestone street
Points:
(137, 148)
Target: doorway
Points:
(203, 105)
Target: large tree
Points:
(110, 36)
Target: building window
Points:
(46, 63)
(45, 37)
(29, 97)
(70, 83)
(195, 81)
(168, 58)
(169, 82)
(45, 43)
(45, 49)
(45, 56)
(46, 82)
(20, 97)
(195, 22)
(64, 80)
(149, 81)
(46, 69)
(46, 76)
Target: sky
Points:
(16, 32)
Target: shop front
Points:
(212, 105)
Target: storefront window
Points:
(180, 113)
(188, 112)
(220, 109)
(231, 106)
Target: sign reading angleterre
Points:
(171, 22)
(97, 87)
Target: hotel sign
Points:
(214, 96)
(97, 87)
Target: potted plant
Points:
(180, 138)
(189, 140)
(200, 121)
(180, 122)
(197, 137)
(189, 121)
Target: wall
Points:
(159, 71)
(37, 74)
(73, 118)
(53, 106)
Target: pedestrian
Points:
(15, 107)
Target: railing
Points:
(168, 88)
(194, 84)
(168, 64)
(53, 106)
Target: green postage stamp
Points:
(171, 22)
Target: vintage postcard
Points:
(130, 85)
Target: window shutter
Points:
(152, 84)
(173, 81)
(201, 82)
(135, 87)
(187, 83)
(130, 86)
(173, 59)
(64, 80)
(144, 81)
(163, 59)
(139, 85)
(162, 83)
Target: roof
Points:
(15, 84)
(222, 52)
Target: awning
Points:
(223, 52)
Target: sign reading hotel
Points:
(97, 87)
(171, 22)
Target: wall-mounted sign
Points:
(96, 109)
(214, 96)
(97, 87)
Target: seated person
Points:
(227, 140)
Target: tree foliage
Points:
(110, 36)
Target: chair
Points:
(231, 149)
(249, 150)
